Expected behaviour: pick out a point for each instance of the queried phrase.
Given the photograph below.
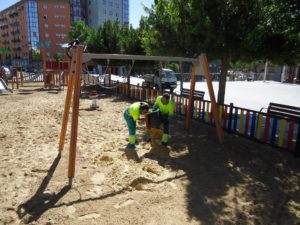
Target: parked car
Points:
(161, 79)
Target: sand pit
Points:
(194, 181)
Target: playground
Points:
(195, 180)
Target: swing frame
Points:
(79, 58)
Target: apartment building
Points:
(99, 11)
(31, 24)
(78, 10)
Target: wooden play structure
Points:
(73, 93)
(55, 74)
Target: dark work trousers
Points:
(164, 119)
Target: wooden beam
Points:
(67, 103)
(191, 99)
(90, 56)
(75, 112)
(204, 64)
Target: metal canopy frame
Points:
(90, 56)
(79, 58)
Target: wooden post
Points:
(191, 99)
(59, 73)
(266, 70)
(15, 71)
(204, 64)
(12, 79)
(68, 103)
(181, 77)
(22, 78)
(43, 51)
(75, 112)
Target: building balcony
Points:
(4, 35)
(3, 19)
(15, 32)
(17, 49)
(13, 14)
(3, 27)
(16, 40)
(16, 23)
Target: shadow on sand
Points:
(40, 202)
(240, 182)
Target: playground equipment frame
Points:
(78, 58)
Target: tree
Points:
(228, 30)
(277, 35)
(36, 55)
(58, 57)
(95, 41)
(131, 42)
(79, 31)
(111, 37)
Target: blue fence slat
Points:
(253, 122)
(274, 129)
(235, 120)
(203, 111)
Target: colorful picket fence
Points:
(260, 126)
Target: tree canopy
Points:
(230, 30)
(227, 30)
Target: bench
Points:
(284, 111)
(198, 95)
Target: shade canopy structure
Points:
(90, 56)
(79, 58)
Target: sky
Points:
(136, 9)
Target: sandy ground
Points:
(193, 181)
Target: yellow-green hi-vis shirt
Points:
(165, 109)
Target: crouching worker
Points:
(166, 108)
(131, 115)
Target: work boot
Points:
(131, 146)
(164, 143)
(147, 137)
(131, 154)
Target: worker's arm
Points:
(156, 105)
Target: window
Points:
(45, 7)
(60, 25)
(59, 16)
(45, 16)
(46, 25)
(46, 35)
(60, 35)
(59, 6)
